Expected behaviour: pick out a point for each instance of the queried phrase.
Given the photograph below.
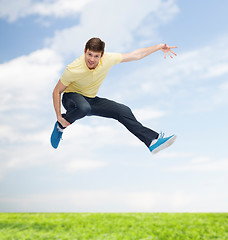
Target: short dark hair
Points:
(96, 45)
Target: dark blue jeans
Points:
(78, 106)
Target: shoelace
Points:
(161, 135)
(60, 134)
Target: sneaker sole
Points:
(165, 145)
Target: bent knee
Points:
(125, 110)
(124, 113)
(84, 109)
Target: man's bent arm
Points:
(143, 52)
(59, 88)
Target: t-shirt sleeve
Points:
(118, 57)
(66, 78)
(113, 58)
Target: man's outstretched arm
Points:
(143, 52)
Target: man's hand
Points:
(63, 122)
(166, 49)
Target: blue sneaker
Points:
(56, 136)
(161, 143)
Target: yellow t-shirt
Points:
(79, 78)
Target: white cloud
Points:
(13, 10)
(25, 80)
(147, 113)
(111, 23)
(82, 165)
(101, 133)
(26, 84)
(195, 79)
(220, 97)
(188, 67)
(30, 148)
(59, 8)
(173, 155)
(104, 200)
(27, 145)
(202, 164)
(27, 114)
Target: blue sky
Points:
(100, 166)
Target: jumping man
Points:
(80, 83)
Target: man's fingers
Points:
(167, 49)
(170, 55)
(173, 52)
(64, 122)
(67, 123)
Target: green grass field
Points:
(69, 226)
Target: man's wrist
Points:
(161, 45)
(59, 117)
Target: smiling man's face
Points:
(92, 58)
